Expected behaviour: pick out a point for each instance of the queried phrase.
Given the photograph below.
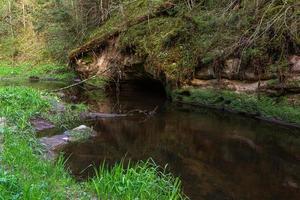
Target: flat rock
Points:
(40, 124)
(56, 143)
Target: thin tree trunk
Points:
(10, 19)
(24, 14)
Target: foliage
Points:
(39, 30)
(20, 104)
(143, 180)
(69, 118)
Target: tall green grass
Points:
(25, 174)
(143, 180)
(42, 70)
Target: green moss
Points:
(80, 135)
(98, 82)
(128, 12)
(245, 103)
(160, 40)
(87, 59)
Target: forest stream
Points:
(216, 155)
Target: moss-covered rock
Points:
(178, 40)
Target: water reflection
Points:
(216, 155)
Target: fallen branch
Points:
(96, 116)
(145, 112)
(73, 85)
(83, 81)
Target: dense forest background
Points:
(47, 29)
(50, 29)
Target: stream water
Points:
(217, 155)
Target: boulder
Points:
(294, 61)
(56, 143)
(79, 133)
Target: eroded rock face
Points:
(102, 63)
(295, 63)
(205, 73)
(110, 61)
(231, 68)
(55, 144)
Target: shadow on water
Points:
(217, 155)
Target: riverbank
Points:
(179, 46)
(30, 70)
(273, 109)
(26, 174)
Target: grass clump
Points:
(143, 180)
(249, 104)
(8, 186)
(68, 118)
(19, 104)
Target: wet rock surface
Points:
(54, 144)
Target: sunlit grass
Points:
(144, 180)
(42, 70)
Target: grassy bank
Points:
(262, 106)
(41, 70)
(26, 174)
